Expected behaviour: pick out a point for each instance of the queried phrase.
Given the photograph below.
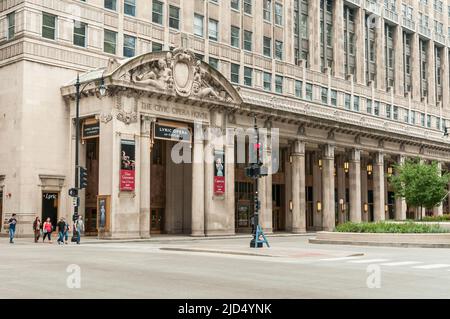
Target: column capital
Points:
(355, 155)
(328, 151)
(379, 158)
(298, 148)
(146, 125)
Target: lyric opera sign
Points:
(127, 166)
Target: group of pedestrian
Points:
(46, 229)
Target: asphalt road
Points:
(143, 270)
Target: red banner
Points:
(127, 180)
(219, 185)
(219, 172)
(127, 166)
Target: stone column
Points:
(229, 183)
(328, 204)
(298, 188)
(364, 192)
(144, 166)
(338, 45)
(381, 56)
(439, 210)
(378, 187)
(314, 40)
(317, 189)
(400, 203)
(198, 189)
(340, 187)
(355, 185)
(360, 31)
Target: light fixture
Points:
(320, 163)
(346, 167)
(390, 171)
(102, 88)
(341, 203)
(366, 207)
(291, 205)
(290, 159)
(319, 206)
(386, 208)
(369, 169)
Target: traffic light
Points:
(256, 171)
(83, 177)
(73, 192)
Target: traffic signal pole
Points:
(77, 138)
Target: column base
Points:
(298, 231)
(197, 234)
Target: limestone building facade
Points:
(353, 87)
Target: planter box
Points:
(438, 240)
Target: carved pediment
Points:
(179, 73)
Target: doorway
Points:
(278, 216)
(90, 211)
(50, 207)
(1, 207)
(158, 187)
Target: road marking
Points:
(341, 258)
(402, 263)
(368, 261)
(432, 266)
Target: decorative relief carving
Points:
(127, 109)
(104, 118)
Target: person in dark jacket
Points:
(61, 230)
(12, 228)
(37, 229)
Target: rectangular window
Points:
(278, 84)
(213, 30)
(157, 12)
(198, 25)
(422, 119)
(129, 46)
(267, 47)
(129, 7)
(157, 47)
(111, 4)
(11, 25)
(214, 63)
(333, 97)
(109, 41)
(369, 106)
(356, 103)
(388, 111)
(347, 99)
(298, 88)
(279, 50)
(248, 6)
(235, 73)
(428, 121)
(248, 35)
(395, 112)
(174, 17)
(324, 95)
(248, 76)
(48, 26)
(412, 119)
(267, 81)
(267, 10)
(235, 4)
(79, 33)
(235, 36)
(376, 109)
(278, 13)
(309, 91)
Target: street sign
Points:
(73, 192)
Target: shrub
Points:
(442, 218)
(384, 227)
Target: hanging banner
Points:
(127, 165)
(219, 172)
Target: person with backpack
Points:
(47, 229)
(12, 228)
(61, 229)
(37, 229)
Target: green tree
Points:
(421, 184)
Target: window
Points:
(324, 95)
(388, 111)
(174, 17)
(356, 103)
(111, 4)
(129, 7)
(248, 35)
(278, 84)
(333, 97)
(347, 99)
(267, 9)
(248, 6)
(198, 25)
(235, 4)
(199, 56)
(298, 88)
(248, 76)
(109, 41)
(412, 119)
(157, 12)
(157, 47)
(428, 121)
(214, 63)
(79, 33)
(11, 25)
(395, 112)
(278, 13)
(279, 50)
(267, 46)
(129, 46)
(234, 73)
(235, 36)
(48, 26)
(213, 30)
(376, 109)
(267, 81)
(309, 91)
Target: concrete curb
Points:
(223, 252)
(380, 244)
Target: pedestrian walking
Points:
(79, 226)
(47, 229)
(37, 229)
(61, 229)
(12, 228)
(66, 232)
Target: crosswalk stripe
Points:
(367, 261)
(341, 258)
(432, 266)
(402, 263)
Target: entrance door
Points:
(158, 187)
(309, 208)
(278, 220)
(90, 212)
(50, 207)
(1, 207)
(156, 220)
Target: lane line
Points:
(432, 266)
(368, 261)
(402, 263)
(341, 258)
